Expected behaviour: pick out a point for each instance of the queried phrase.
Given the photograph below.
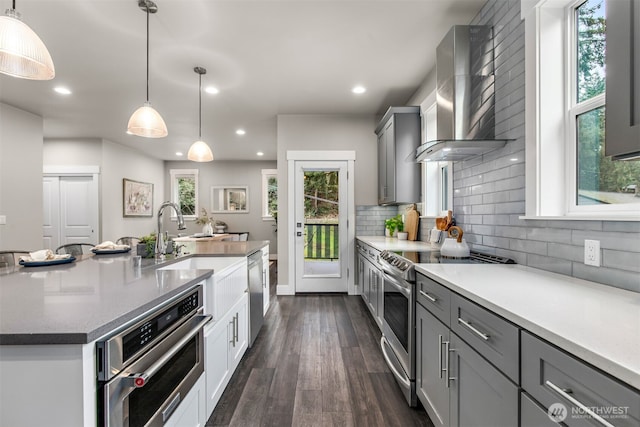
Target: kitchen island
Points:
(51, 317)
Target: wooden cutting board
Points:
(411, 220)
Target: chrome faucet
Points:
(161, 241)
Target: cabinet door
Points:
(266, 297)
(532, 415)
(239, 329)
(366, 281)
(479, 394)
(382, 168)
(623, 79)
(374, 275)
(216, 339)
(191, 411)
(390, 159)
(431, 386)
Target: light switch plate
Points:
(3, 219)
(592, 252)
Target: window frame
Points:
(266, 174)
(175, 198)
(551, 114)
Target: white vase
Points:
(207, 228)
(403, 235)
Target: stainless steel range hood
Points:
(464, 96)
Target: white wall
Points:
(324, 132)
(116, 162)
(240, 173)
(20, 179)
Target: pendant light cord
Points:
(147, 52)
(200, 108)
(14, 5)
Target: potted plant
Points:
(206, 222)
(147, 246)
(393, 224)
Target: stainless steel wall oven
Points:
(145, 370)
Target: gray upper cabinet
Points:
(623, 80)
(398, 172)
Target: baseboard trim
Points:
(285, 290)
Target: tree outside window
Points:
(599, 179)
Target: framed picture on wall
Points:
(137, 198)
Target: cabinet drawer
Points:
(490, 335)
(532, 415)
(434, 297)
(552, 376)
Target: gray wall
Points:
(241, 173)
(116, 162)
(20, 179)
(490, 191)
(324, 132)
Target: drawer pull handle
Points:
(473, 329)
(565, 394)
(440, 342)
(427, 296)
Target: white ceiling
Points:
(266, 57)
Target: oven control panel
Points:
(116, 352)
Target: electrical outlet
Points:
(3, 219)
(592, 252)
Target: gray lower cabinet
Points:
(431, 386)
(479, 394)
(589, 397)
(455, 383)
(532, 415)
(370, 280)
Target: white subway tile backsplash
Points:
(622, 260)
(554, 265)
(554, 235)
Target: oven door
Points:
(398, 320)
(147, 392)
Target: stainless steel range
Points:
(398, 323)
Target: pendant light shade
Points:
(146, 121)
(199, 150)
(22, 53)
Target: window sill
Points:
(598, 217)
(268, 218)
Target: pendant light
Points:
(199, 150)
(22, 53)
(146, 121)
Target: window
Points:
(599, 180)
(184, 191)
(437, 179)
(269, 194)
(568, 175)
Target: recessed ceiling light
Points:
(62, 90)
(212, 90)
(179, 153)
(358, 90)
(240, 132)
(446, 149)
(260, 153)
(515, 159)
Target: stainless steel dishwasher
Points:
(256, 291)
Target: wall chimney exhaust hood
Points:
(464, 96)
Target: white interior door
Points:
(70, 210)
(51, 212)
(320, 231)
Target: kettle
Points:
(455, 245)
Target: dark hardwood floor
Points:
(316, 362)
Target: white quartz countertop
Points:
(596, 323)
(394, 244)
